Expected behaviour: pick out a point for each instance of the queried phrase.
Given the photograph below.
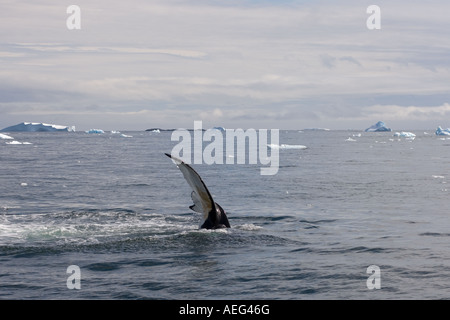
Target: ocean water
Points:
(118, 209)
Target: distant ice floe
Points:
(442, 132)
(287, 146)
(99, 131)
(38, 127)
(5, 137)
(404, 134)
(316, 129)
(355, 135)
(18, 142)
(121, 134)
(158, 130)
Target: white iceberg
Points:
(5, 137)
(404, 134)
(286, 146)
(17, 142)
(38, 127)
(380, 126)
(95, 131)
(316, 129)
(442, 132)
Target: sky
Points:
(141, 64)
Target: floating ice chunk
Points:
(286, 146)
(380, 126)
(38, 127)
(158, 130)
(316, 129)
(438, 177)
(95, 131)
(5, 137)
(17, 142)
(404, 134)
(350, 139)
(126, 136)
(442, 132)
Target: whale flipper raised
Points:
(213, 214)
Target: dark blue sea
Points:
(118, 209)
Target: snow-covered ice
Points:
(100, 131)
(380, 126)
(404, 134)
(37, 127)
(5, 137)
(286, 146)
(442, 132)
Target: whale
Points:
(214, 217)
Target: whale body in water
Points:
(213, 214)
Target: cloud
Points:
(107, 50)
(250, 63)
(413, 113)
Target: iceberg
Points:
(18, 142)
(404, 134)
(286, 146)
(5, 137)
(316, 129)
(95, 131)
(380, 126)
(442, 132)
(38, 127)
(159, 130)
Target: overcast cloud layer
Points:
(139, 64)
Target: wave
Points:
(85, 227)
(118, 230)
